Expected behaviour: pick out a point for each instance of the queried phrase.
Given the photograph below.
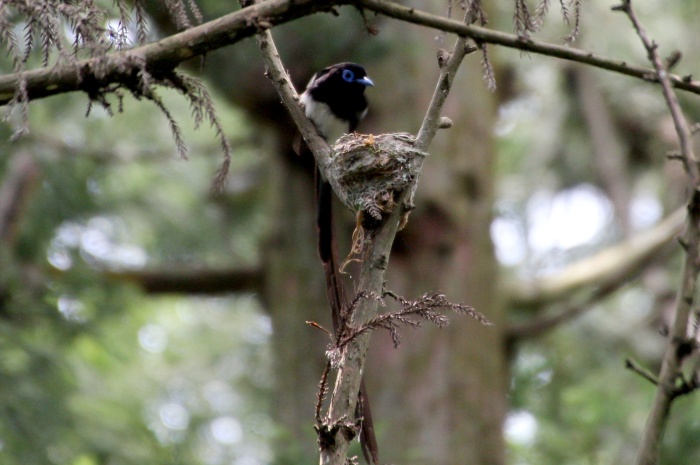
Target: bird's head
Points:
(343, 77)
(335, 99)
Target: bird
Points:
(334, 100)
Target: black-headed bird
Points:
(335, 100)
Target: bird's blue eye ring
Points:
(348, 75)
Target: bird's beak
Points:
(365, 81)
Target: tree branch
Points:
(351, 365)
(609, 265)
(278, 74)
(169, 52)
(482, 34)
(375, 259)
(339, 427)
(374, 263)
(539, 325)
(641, 371)
(431, 121)
(192, 281)
(679, 336)
(164, 55)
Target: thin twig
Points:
(681, 125)
(641, 371)
(412, 314)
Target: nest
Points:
(369, 171)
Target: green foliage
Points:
(93, 371)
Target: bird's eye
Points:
(348, 76)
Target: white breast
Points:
(330, 126)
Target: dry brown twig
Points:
(411, 314)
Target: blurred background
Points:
(144, 319)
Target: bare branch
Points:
(336, 432)
(539, 325)
(482, 34)
(280, 79)
(680, 334)
(375, 256)
(623, 259)
(229, 29)
(191, 280)
(682, 128)
(375, 260)
(165, 54)
(431, 121)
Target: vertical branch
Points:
(340, 425)
(667, 387)
(347, 383)
(448, 70)
(336, 439)
(680, 124)
(280, 78)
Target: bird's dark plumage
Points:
(335, 101)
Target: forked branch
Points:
(339, 427)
